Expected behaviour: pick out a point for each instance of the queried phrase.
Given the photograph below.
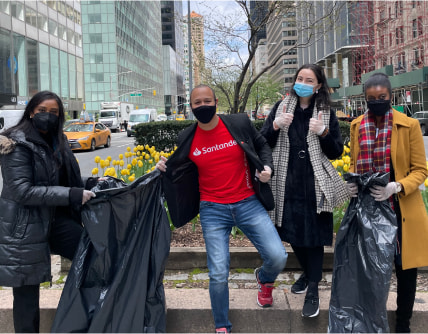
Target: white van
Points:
(138, 116)
(10, 117)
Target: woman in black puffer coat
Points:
(39, 205)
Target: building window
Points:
(97, 77)
(52, 4)
(5, 7)
(289, 42)
(31, 17)
(398, 8)
(53, 28)
(288, 24)
(289, 70)
(288, 80)
(289, 61)
(96, 58)
(415, 28)
(95, 38)
(420, 26)
(399, 35)
(94, 18)
(291, 52)
(42, 22)
(289, 33)
(17, 10)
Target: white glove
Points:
(161, 164)
(87, 195)
(264, 176)
(282, 119)
(317, 125)
(380, 193)
(352, 189)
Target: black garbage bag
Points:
(363, 260)
(115, 283)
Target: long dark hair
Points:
(323, 96)
(26, 125)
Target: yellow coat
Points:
(409, 161)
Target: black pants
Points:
(406, 292)
(310, 259)
(63, 240)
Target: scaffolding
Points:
(361, 37)
(401, 40)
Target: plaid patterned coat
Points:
(409, 161)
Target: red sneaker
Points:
(222, 330)
(264, 295)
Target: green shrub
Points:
(162, 135)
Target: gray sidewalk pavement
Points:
(188, 304)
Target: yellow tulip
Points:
(121, 163)
(147, 156)
(129, 166)
(340, 162)
(77, 160)
(140, 164)
(109, 158)
(120, 156)
(128, 149)
(135, 149)
(426, 183)
(345, 167)
(150, 161)
(97, 159)
(146, 147)
(134, 162)
(95, 171)
(131, 178)
(334, 163)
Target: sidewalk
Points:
(188, 304)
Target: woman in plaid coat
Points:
(386, 140)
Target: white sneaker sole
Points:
(315, 314)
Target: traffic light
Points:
(154, 92)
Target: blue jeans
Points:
(252, 219)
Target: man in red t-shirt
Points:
(216, 171)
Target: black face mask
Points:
(45, 121)
(204, 114)
(379, 107)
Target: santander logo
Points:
(215, 148)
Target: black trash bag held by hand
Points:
(115, 284)
(363, 260)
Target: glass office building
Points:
(122, 48)
(41, 49)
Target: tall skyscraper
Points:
(173, 36)
(41, 49)
(198, 51)
(122, 45)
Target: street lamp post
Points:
(115, 75)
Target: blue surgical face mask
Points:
(303, 90)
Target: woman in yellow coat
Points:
(386, 140)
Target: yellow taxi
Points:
(179, 117)
(87, 135)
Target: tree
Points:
(230, 47)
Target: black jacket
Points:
(180, 181)
(27, 205)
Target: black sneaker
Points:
(300, 285)
(311, 307)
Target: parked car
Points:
(170, 117)
(162, 117)
(422, 117)
(87, 135)
(179, 117)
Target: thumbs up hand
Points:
(316, 125)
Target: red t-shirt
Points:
(224, 174)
